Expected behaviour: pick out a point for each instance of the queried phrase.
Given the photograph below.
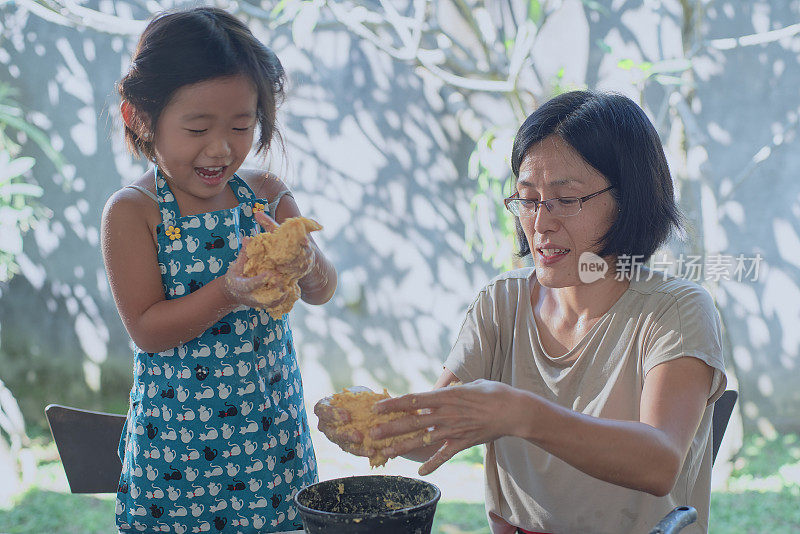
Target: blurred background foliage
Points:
(18, 206)
(19, 210)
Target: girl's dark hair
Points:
(614, 136)
(184, 47)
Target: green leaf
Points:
(672, 65)
(602, 45)
(13, 215)
(6, 91)
(36, 135)
(596, 6)
(11, 243)
(304, 23)
(535, 11)
(30, 190)
(663, 79)
(16, 167)
(483, 181)
(279, 7)
(473, 164)
(625, 64)
(509, 44)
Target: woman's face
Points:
(552, 168)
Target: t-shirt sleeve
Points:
(472, 354)
(689, 326)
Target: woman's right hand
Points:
(331, 420)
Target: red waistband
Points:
(523, 531)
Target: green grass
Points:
(473, 455)
(756, 512)
(42, 511)
(759, 456)
(763, 496)
(763, 491)
(460, 518)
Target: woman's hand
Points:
(459, 416)
(330, 420)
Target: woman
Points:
(593, 396)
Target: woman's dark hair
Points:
(614, 136)
(179, 48)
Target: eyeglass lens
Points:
(561, 207)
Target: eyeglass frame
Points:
(546, 202)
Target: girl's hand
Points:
(330, 421)
(459, 416)
(303, 263)
(267, 223)
(238, 288)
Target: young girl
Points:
(217, 436)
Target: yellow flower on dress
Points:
(173, 233)
(258, 206)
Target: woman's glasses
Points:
(559, 206)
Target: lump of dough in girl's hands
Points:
(280, 251)
(359, 405)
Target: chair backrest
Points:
(719, 422)
(87, 444)
(682, 516)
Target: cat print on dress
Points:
(217, 438)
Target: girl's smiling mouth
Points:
(210, 175)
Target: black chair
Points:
(674, 521)
(87, 444)
(723, 409)
(682, 516)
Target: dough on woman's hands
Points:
(282, 252)
(359, 405)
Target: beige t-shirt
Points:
(653, 322)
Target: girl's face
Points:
(552, 168)
(205, 133)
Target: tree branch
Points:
(755, 38)
(68, 13)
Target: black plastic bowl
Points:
(368, 504)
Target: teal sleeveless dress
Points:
(217, 438)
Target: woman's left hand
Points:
(459, 416)
(331, 420)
